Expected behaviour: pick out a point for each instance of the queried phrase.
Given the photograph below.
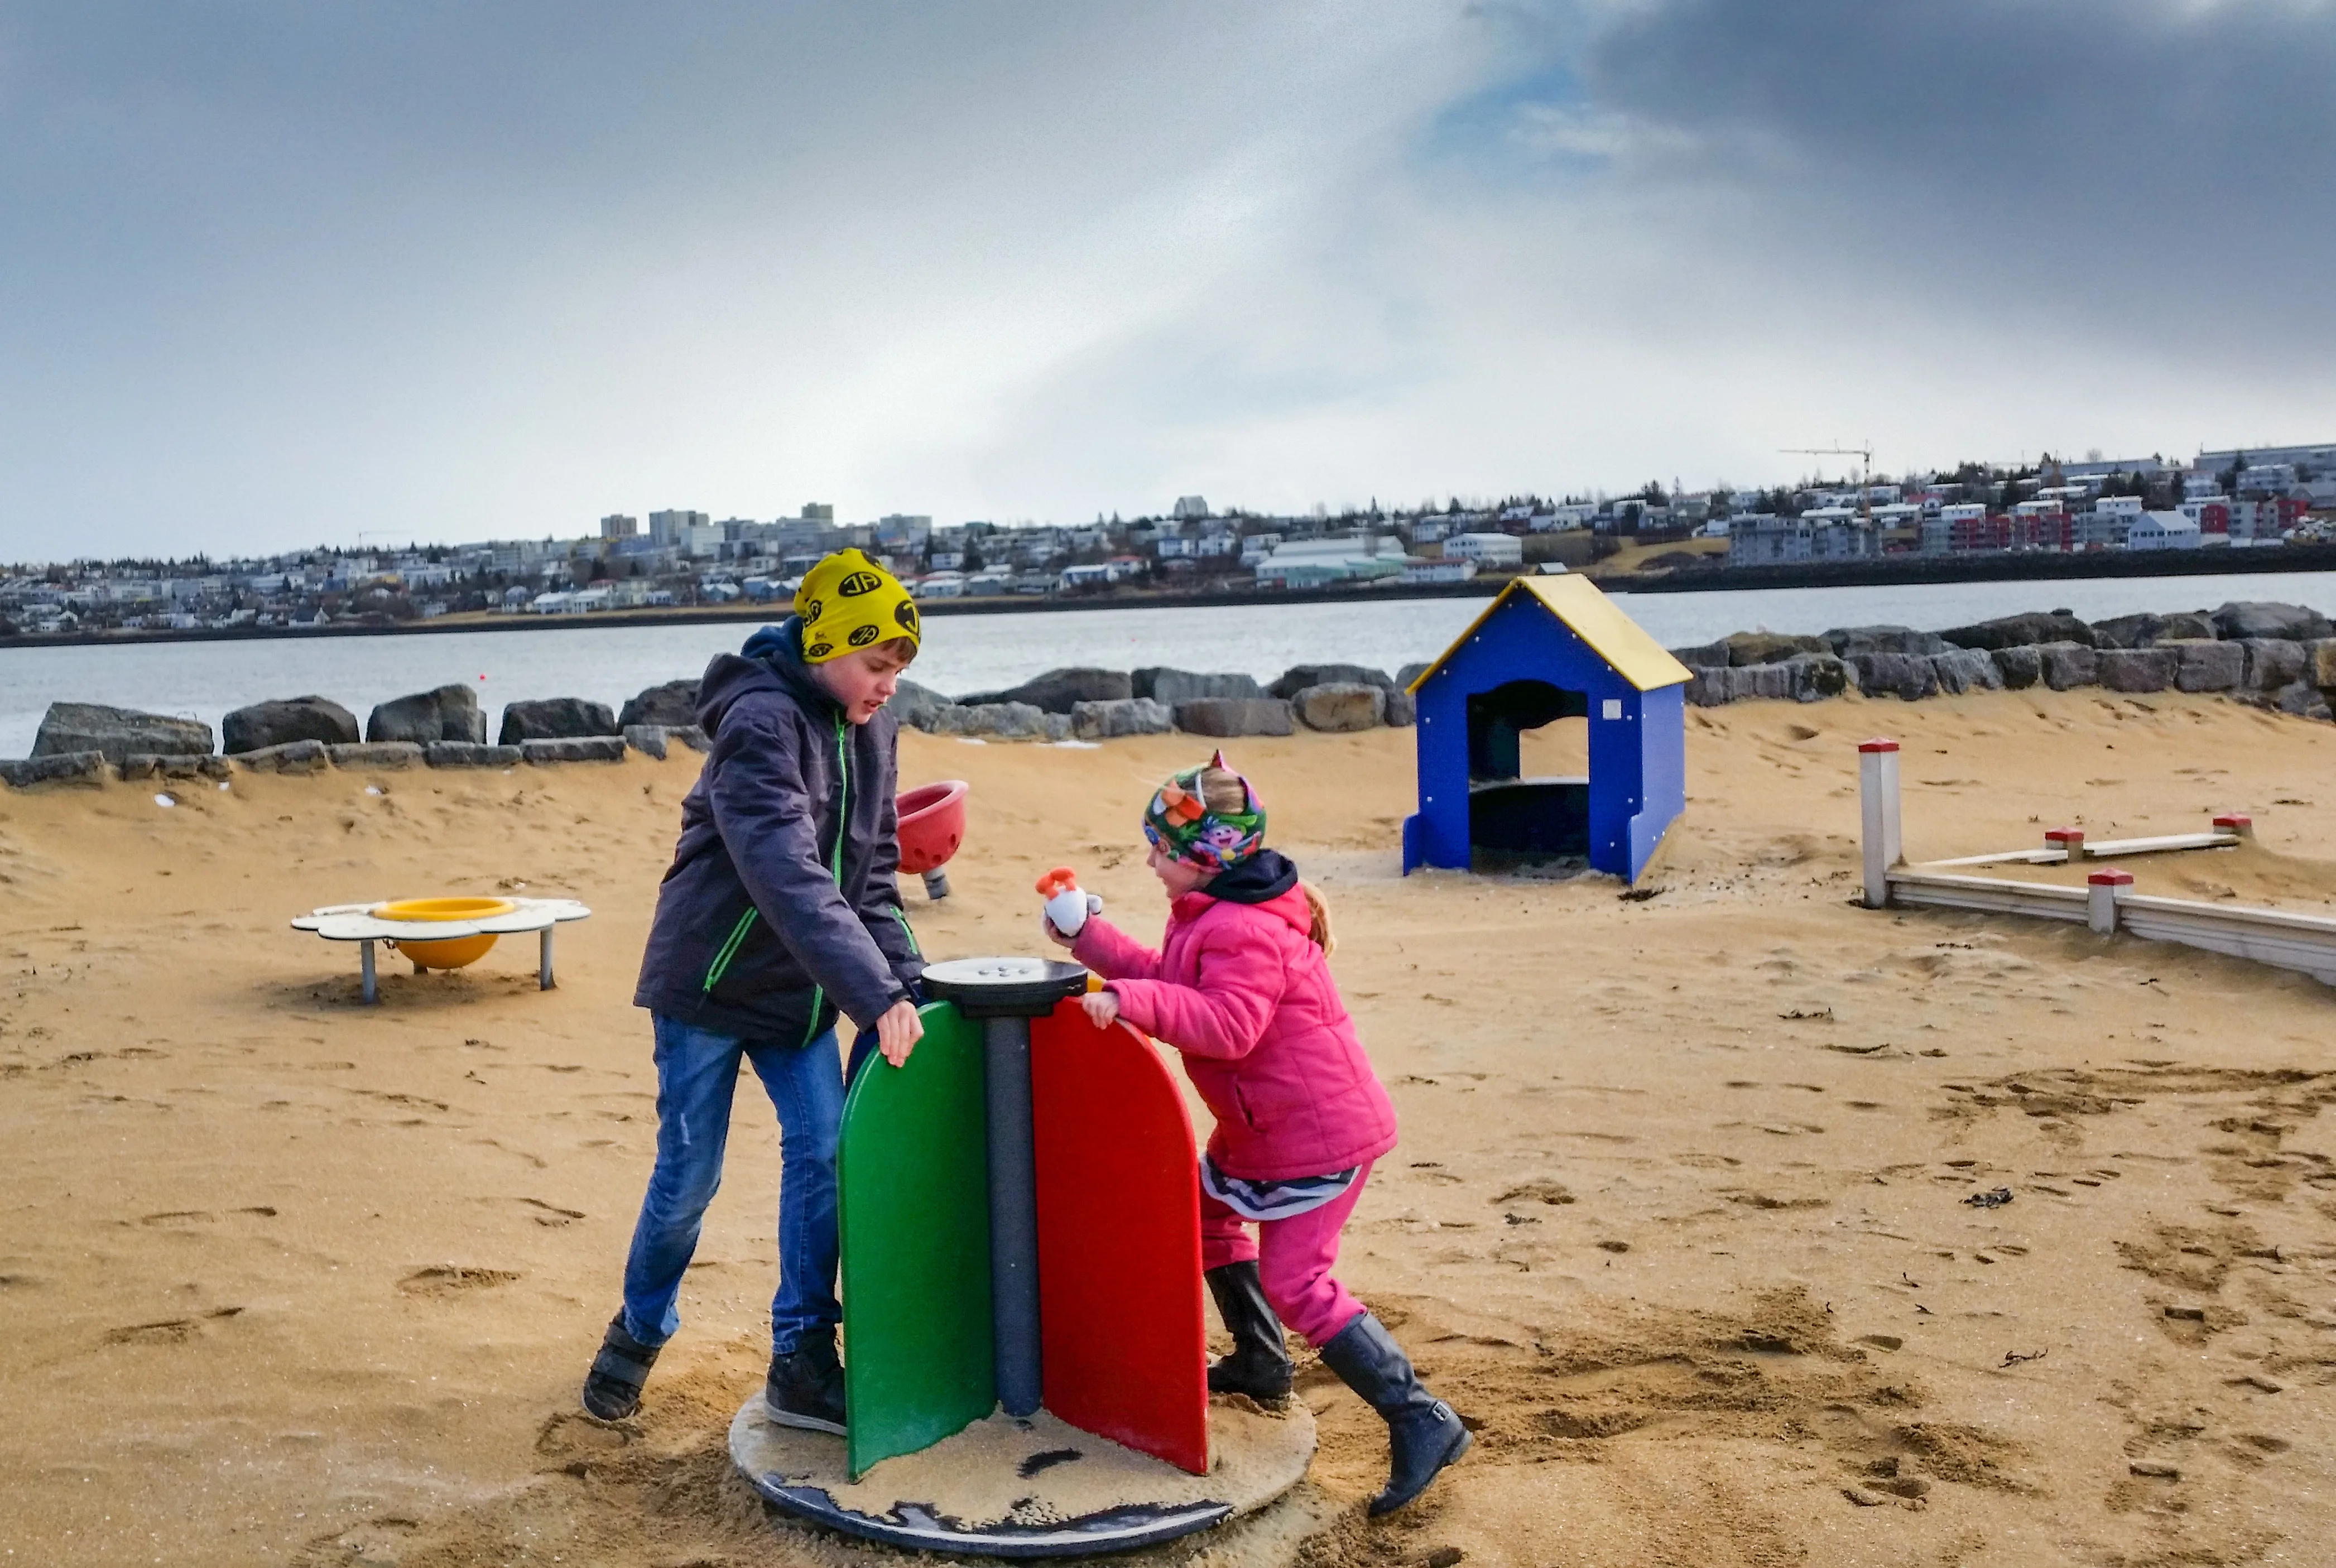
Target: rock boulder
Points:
(2068, 665)
(1745, 648)
(67, 767)
(146, 764)
(657, 740)
(1849, 641)
(574, 748)
(2139, 668)
(2273, 663)
(376, 755)
(1402, 709)
(556, 718)
(2144, 630)
(115, 733)
(1001, 721)
(2208, 665)
(2020, 667)
(1129, 716)
(1961, 670)
(2035, 628)
(1233, 715)
(914, 706)
(1172, 686)
(1299, 676)
(2288, 622)
(295, 756)
(672, 706)
(469, 753)
(1059, 690)
(265, 723)
(1339, 707)
(451, 713)
(1911, 677)
(1818, 676)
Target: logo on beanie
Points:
(906, 614)
(811, 611)
(819, 650)
(856, 583)
(862, 635)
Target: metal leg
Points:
(364, 968)
(937, 883)
(1013, 1214)
(543, 962)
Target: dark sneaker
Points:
(805, 1387)
(612, 1389)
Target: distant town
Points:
(680, 559)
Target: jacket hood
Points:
(1288, 905)
(1263, 878)
(772, 660)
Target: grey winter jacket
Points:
(780, 908)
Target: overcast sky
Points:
(275, 274)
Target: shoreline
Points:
(1907, 572)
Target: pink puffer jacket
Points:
(1243, 992)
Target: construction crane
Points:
(1865, 455)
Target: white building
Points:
(1486, 549)
(1311, 562)
(2162, 531)
(1449, 570)
(1190, 509)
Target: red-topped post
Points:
(2238, 824)
(2101, 890)
(1877, 786)
(2069, 842)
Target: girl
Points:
(1240, 988)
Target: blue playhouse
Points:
(1549, 648)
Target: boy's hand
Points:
(897, 1031)
(1102, 1009)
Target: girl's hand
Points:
(1053, 936)
(897, 1031)
(1102, 1008)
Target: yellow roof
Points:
(1593, 618)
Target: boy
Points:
(779, 912)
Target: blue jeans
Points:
(697, 1070)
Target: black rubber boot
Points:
(1260, 1365)
(612, 1389)
(1423, 1434)
(805, 1387)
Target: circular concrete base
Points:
(1037, 1488)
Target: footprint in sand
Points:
(449, 1280)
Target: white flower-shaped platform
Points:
(357, 923)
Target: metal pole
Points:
(1013, 1214)
(2101, 890)
(1877, 782)
(364, 967)
(543, 962)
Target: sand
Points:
(1676, 1220)
(1041, 1470)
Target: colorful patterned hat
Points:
(1179, 821)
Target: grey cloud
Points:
(2119, 155)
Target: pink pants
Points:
(1293, 1259)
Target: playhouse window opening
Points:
(1517, 818)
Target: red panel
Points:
(1119, 1241)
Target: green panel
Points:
(913, 1166)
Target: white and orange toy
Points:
(1067, 908)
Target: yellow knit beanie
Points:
(848, 601)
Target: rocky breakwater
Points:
(2277, 656)
(1085, 704)
(87, 744)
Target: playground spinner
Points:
(1021, 1228)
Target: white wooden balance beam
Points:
(357, 923)
(2106, 904)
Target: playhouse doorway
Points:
(1519, 819)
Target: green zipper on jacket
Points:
(730, 948)
(835, 860)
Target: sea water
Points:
(967, 653)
